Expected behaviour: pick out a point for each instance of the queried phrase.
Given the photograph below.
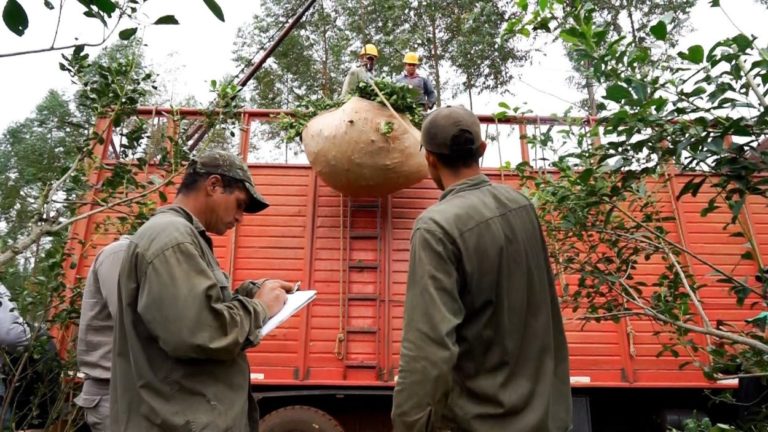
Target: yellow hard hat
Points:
(411, 58)
(370, 49)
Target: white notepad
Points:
(295, 302)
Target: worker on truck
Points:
(483, 345)
(422, 84)
(180, 333)
(363, 72)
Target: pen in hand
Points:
(296, 287)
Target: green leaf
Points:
(617, 93)
(659, 30)
(215, 9)
(714, 3)
(736, 207)
(524, 32)
(106, 6)
(523, 5)
(15, 17)
(692, 187)
(48, 4)
(715, 145)
(711, 206)
(543, 4)
(586, 175)
(166, 20)
(571, 35)
(505, 105)
(127, 33)
(742, 42)
(760, 320)
(694, 55)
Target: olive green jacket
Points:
(354, 77)
(483, 347)
(178, 361)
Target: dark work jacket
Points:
(178, 363)
(483, 347)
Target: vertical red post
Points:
(80, 230)
(523, 130)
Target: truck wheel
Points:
(676, 418)
(299, 418)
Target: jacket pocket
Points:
(84, 401)
(223, 281)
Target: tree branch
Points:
(126, 200)
(64, 47)
(21, 245)
(49, 226)
(711, 332)
(751, 82)
(680, 247)
(51, 49)
(649, 312)
(58, 23)
(691, 293)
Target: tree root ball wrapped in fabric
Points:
(361, 149)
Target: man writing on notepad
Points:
(178, 361)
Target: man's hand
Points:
(273, 294)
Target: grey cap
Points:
(443, 124)
(225, 163)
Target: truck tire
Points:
(676, 418)
(299, 418)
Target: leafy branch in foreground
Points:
(402, 98)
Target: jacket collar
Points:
(468, 184)
(180, 211)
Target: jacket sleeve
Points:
(14, 332)
(182, 305)
(433, 309)
(106, 270)
(429, 92)
(350, 82)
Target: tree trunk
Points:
(630, 7)
(591, 96)
(469, 91)
(590, 84)
(326, 87)
(436, 62)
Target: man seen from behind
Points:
(483, 346)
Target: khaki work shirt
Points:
(355, 77)
(483, 347)
(178, 362)
(94, 338)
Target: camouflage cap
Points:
(442, 126)
(225, 163)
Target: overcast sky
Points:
(199, 49)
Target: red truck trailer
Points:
(334, 365)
